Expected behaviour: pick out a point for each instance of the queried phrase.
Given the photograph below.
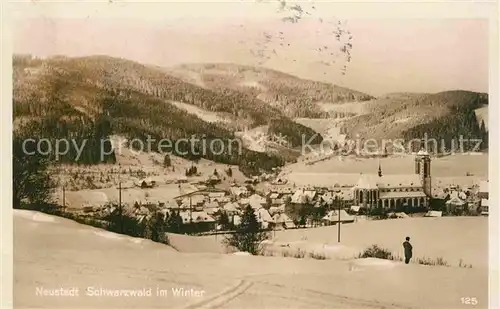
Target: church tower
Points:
(423, 168)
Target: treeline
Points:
(73, 141)
(296, 97)
(440, 115)
(154, 226)
(447, 131)
(300, 96)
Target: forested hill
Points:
(295, 96)
(442, 116)
(93, 97)
(458, 119)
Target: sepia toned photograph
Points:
(252, 154)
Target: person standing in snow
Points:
(408, 250)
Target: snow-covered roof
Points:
(201, 216)
(301, 196)
(195, 199)
(257, 198)
(355, 208)
(238, 190)
(244, 201)
(171, 203)
(263, 215)
(455, 201)
(216, 194)
(346, 195)
(276, 209)
(333, 216)
(231, 207)
(323, 179)
(439, 193)
(211, 204)
(434, 213)
(373, 181)
(255, 204)
(197, 216)
(211, 211)
(367, 182)
(281, 218)
(274, 195)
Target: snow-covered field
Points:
(201, 113)
(451, 238)
(54, 253)
(449, 166)
(351, 107)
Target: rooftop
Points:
(373, 181)
(366, 181)
(403, 194)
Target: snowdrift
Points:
(53, 253)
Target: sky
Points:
(388, 54)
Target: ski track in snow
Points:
(222, 298)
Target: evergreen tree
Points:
(174, 223)
(248, 234)
(484, 136)
(120, 222)
(155, 228)
(167, 162)
(31, 182)
(229, 172)
(302, 221)
(223, 221)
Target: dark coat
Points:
(408, 249)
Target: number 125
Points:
(469, 301)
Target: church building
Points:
(398, 190)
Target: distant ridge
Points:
(295, 96)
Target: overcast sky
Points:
(388, 55)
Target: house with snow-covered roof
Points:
(231, 208)
(332, 217)
(485, 207)
(455, 203)
(281, 220)
(256, 201)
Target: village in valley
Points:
(209, 198)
